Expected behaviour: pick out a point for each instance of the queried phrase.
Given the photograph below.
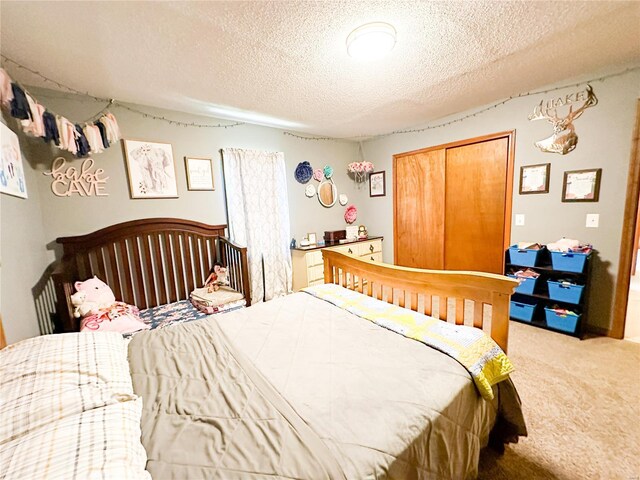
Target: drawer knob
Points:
(373, 259)
(371, 248)
(350, 251)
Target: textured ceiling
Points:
(286, 61)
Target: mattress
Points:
(382, 405)
(180, 312)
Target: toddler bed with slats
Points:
(147, 263)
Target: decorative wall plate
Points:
(343, 199)
(310, 191)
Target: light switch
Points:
(593, 220)
(519, 219)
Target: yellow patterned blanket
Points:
(471, 347)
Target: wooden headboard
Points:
(468, 292)
(147, 263)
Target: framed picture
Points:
(199, 173)
(581, 185)
(377, 187)
(534, 178)
(312, 238)
(151, 169)
(12, 181)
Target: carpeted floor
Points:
(581, 401)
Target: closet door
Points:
(476, 205)
(419, 209)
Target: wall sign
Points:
(564, 138)
(68, 181)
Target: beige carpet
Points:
(581, 400)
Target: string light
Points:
(111, 102)
(470, 115)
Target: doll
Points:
(217, 276)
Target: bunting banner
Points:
(81, 140)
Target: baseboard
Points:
(601, 331)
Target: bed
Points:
(308, 387)
(148, 263)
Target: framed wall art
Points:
(12, 181)
(151, 169)
(377, 186)
(199, 173)
(581, 185)
(534, 178)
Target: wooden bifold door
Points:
(452, 204)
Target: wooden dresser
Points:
(308, 267)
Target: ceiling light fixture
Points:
(371, 41)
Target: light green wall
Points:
(24, 257)
(29, 227)
(604, 132)
(49, 217)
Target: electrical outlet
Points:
(519, 219)
(593, 220)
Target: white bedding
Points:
(67, 409)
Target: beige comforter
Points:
(331, 396)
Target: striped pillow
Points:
(67, 409)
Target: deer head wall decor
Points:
(564, 138)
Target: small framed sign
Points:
(581, 185)
(377, 187)
(313, 239)
(199, 173)
(534, 178)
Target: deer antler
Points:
(539, 114)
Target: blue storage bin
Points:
(522, 310)
(564, 322)
(523, 257)
(526, 286)
(569, 261)
(562, 292)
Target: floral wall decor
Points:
(360, 169)
(303, 172)
(318, 174)
(328, 171)
(350, 214)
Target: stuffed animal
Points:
(217, 276)
(95, 302)
(91, 295)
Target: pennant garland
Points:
(81, 140)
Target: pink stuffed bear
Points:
(97, 305)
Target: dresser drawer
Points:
(369, 248)
(314, 258)
(374, 257)
(348, 249)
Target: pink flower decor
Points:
(350, 214)
(360, 167)
(318, 174)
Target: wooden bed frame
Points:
(147, 263)
(415, 288)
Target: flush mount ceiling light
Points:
(371, 41)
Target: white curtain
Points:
(258, 210)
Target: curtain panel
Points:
(258, 211)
